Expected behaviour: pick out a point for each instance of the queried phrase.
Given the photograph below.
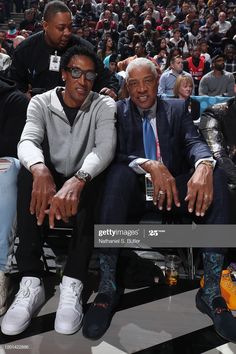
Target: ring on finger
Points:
(161, 193)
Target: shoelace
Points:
(70, 295)
(23, 295)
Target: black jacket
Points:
(30, 65)
(13, 106)
(218, 126)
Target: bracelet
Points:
(207, 163)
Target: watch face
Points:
(82, 175)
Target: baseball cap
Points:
(131, 27)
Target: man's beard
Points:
(219, 67)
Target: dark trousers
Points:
(30, 241)
(124, 199)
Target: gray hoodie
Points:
(88, 145)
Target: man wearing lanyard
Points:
(36, 61)
(185, 181)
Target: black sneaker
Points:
(223, 319)
(98, 317)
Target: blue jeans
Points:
(8, 196)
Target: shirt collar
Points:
(152, 111)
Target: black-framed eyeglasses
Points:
(76, 73)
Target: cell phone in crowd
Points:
(148, 187)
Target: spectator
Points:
(125, 47)
(215, 39)
(179, 165)
(49, 45)
(161, 59)
(193, 36)
(140, 52)
(165, 27)
(217, 82)
(12, 119)
(106, 23)
(230, 58)
(88, 10)
(168, 77)
(29, 22)
(12, 31)
(185, 8)
(25, 33)
(170, 14)
(110, 62)
(123, 23)
(206, 29)
(106, 47)
(218, 127)
(197, 66)
(147, 34)
(204, 48)
(185, 25)
(17, 41)
(5, 62)
(177, 41)
(155, 14)
(174, 52)
(6, 43)
(135, 14)
(183, 89)
(224, 25)
(114, 16)
(70, 189)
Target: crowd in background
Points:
(121, 30)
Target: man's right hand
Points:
(43, 190)
(163, 183)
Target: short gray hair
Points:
(137, 63)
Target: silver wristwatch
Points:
(83, 176)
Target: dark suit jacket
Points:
(180, 143)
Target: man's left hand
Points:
(200, 190)
(65, 202)
(108, 92)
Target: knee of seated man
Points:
(9, 162)
(220, 178)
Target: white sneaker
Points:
(27, 301)
(69, 312)
(4, 285)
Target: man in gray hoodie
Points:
(68, 141)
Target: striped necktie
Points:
(149, 140)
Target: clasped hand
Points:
(46, 200)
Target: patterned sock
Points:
(108, 273)
(213, 264)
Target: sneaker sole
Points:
(61, 330)
(9, 332)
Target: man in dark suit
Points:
(184, 177)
